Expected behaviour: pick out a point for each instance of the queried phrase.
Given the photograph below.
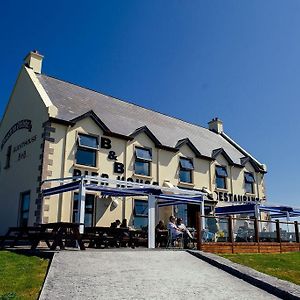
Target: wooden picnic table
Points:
(59, 233)
(16, 234)
(113, 237)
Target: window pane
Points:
(249, 177)
(185, 176)
(186, 164)
(249, 187)
(25, 201)
(221, 182)
(89, 201)
(142, 168)
(88, 220)
(88, 141)
(140, 223)
(86, 157)
(75, 216)
(221, 171)
(144, 154)
(140, 208)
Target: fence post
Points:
(230, 232)
(297, 231)
(256, 232)
(199, 230)
(278, 237)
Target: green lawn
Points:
(285, 266)
(21, 276)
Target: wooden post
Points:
(199, 230)
(278, 233)
(297, 232)
(256, 232)
(230, 233)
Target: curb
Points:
(280, 288)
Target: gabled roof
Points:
(145, 129)
(221, 151)
(125, 119)
(246, 159)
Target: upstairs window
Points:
(87, 150)
(143, 159)
(186, 168)
(221, 175)
(249, 183)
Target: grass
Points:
(21, 276)
(285, 266)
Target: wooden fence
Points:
(240, 235)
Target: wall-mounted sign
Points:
(228, 197)
(23, 124)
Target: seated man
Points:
(174, 230)
(186, 233)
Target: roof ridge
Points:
(125, 101)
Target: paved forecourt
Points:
(137, 274)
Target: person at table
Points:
(118, 223)
(160, 233)
(186, 233)
(174, 230)
(183, 228)
(124, 224)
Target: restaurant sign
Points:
(228, 197)
(23, 124)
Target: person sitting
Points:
(160, 233)
(186, 233)
(124, 224)
(118, 223)
(173, 229)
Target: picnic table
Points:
(99, 237)
(58, 233)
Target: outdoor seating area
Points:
(251, 235)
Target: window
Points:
(140, 214)
(249, 183)
(87, 150)
(24, 209)
(8, 156)
(143, 158)
(221, 174)
(186, 168)
(89, 209)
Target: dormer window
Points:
(249, 182)
(186, 168)
(221, 175)
(143, 159)
(87, 150)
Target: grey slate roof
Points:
(124, 118)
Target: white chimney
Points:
(216, 125)
(34, 61)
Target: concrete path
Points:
(135, 274)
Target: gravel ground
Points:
(134, 274)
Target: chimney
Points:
(34, 61)
(216, 125)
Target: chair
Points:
(173, 240)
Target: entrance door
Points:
(89, 209)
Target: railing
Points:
(244, 230)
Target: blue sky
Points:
(238, 60)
